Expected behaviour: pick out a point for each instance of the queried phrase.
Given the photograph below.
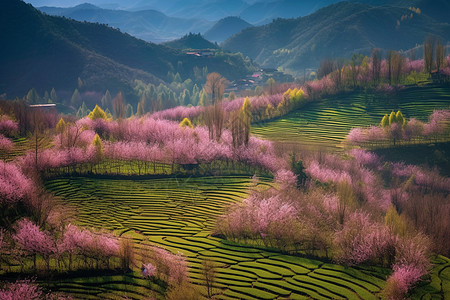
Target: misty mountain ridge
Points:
(46, 52)
(256, 12)
(149, 25)
(225, 28)
(338, 30)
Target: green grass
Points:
(326, 123)
(157, 211)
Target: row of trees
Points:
(147, 140)
(338, 216)
(394, 129)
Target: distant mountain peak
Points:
(87, 6)
(225, 28)
(191, 41)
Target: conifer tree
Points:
(97, 113)
(129, 111)
(140, 109)
(246, 119)
(53, 96)
(97, 142)
(186, 123)
(76, 98)
(106, 100)
(392, 118)
(385, 121)
(33, 96)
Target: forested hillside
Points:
(48, 52)
(336, 31)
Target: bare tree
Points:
(376, 65)
(327, 66)
(439, 54)
(214, 117)
(428, 53)
(397, 63)
(209, 273)
(119, 106)
(215, 86)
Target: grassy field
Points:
(326, 123)
(178, 214)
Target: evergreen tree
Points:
(392, 118)
(108, 114)
(119, 106)
(185, 98)
(97, 113)
(106, 100)
(385, 121)
(80, 83)
(177, 78)
(246, 119)
(53, 96)
(186, 123)
(129, 113)
(140, 109)
(97, 142)
(75, 101)
(33, 96)
(203, 101)
(399, 118)
(82, 111)
(47, 97)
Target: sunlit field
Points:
(179, 214)
(325, 124)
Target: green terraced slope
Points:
(178, 214)
(22, 145)
(326, 123)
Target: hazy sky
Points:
(116, 3)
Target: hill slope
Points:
(149, 25)
(44, 51)
(265, 11)
(225, 28)
(335, 31)
(191, 41)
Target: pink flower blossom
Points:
(148, 270)
(366, 158)
(168, 266)
(32, 240)
(21, 290)
(286, 178)
(14, 185)
(7, 126)
(5, 143)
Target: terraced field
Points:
(326, 123)
(179, 214)
(22, 145)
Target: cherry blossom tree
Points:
(7, 126)
(5, 143)
(22, 290)
(32, 241)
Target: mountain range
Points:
(149, 25)
(43, 52)
(339, 30)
